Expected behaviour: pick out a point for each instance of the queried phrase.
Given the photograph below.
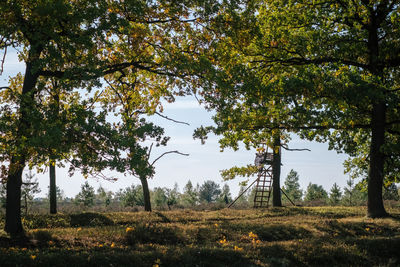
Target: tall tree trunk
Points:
(146, 194)
(378, 120)
(377, 160)
(53, 188)
(276, 172)
(13, 224)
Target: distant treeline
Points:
(207, 195)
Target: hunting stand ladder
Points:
(263, 182)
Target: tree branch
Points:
(294, 149)
(169, 152)
(167, 118)
(310, 127)
(305, 61)
(97, 73)
(3, 60)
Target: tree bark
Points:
(276, 173)
(376, 208)
(146, 194)
(13, 224)
(53, 189)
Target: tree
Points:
(225, 196)
(292, 186)
(160, 197)
(354, 194)
(249, 198)
(59, 193)
(85, 196)
(190, 195)
(325, 70)
(315, 192)
(391, 192)
(82, 42)
(173, 196)
(209, 191)
(66, 49)
(335, 194)
(348, 192)
(103, 197)
(132, 196)
(30, 187)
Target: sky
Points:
(319, 166)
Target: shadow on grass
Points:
(271, 232)
(334, 252)
(354, 229)
(164, 218)
(121, 257)
(281, 232)
(90, 219)
(154, 233)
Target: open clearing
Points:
(324, 236)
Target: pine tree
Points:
(173, 196)
(244, 199)
(29, 188)
(315, 192)
(103, 197)
(348, 192)
(209, 191)
(292, 186)
(335, 194)
(132, 196)
(59, 193)
(159, 197)
(225, 196)
(86, 195)
(190, 195)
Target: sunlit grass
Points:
(285, 236)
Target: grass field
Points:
(328, 236)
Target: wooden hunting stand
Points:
(263, 189)
(264, 179)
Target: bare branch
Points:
(167, 118)
(169, 152)
(286, 147)
(3, 60)
(150, 149)
(308, 127)
(5, 87)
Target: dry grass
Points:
(327, 236)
